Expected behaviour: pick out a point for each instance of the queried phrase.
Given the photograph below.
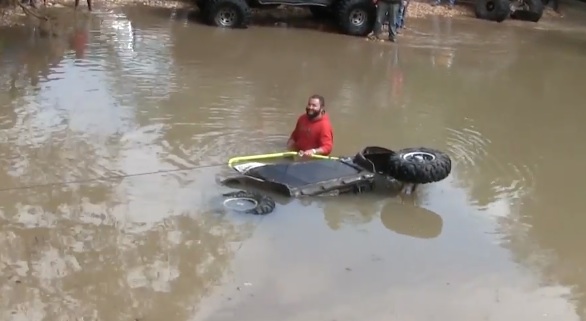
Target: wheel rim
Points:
(226, 17)
(358, 17)
(240, 204)
(419, 156)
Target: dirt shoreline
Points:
(417, 9)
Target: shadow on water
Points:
(406, 219)
(411, 221)
(358, 209)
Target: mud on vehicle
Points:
(499, 10)
(334, 176)
(353, 17)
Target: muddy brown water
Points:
(500, 239)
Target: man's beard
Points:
(312, 114)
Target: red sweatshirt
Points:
(309, 134)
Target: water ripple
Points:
(474, 156)
(467, 145)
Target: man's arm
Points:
(293, 138)
(291, 144)
(326, 141)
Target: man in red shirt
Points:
(313, 131)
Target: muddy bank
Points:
(279, 15)
(417, 9)
(15, 16)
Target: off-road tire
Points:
(492, 10)
(343, 12)
(533, 13)
(213, 8)
(407, 169)
(265, 204)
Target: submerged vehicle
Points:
(325, 175)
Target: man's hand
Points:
(307, 153)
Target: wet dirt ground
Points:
(140, 91)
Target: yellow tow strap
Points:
(241, 159)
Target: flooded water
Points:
(149, 94)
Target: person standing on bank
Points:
(313, 132)
(451, 3)
(402, 13)
(387, 10)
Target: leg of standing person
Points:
(399, 20)
(382, 8)
(404, 12)
(438, 2)
(393, 15)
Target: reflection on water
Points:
(418, 222)
(113, 95)
(80, 254)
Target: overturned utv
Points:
(334, 176)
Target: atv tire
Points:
(531, 10)
(492, 10)
(264, 204)
(356, 17)
(227, 13)
(420, 165)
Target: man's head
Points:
(315, 106)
